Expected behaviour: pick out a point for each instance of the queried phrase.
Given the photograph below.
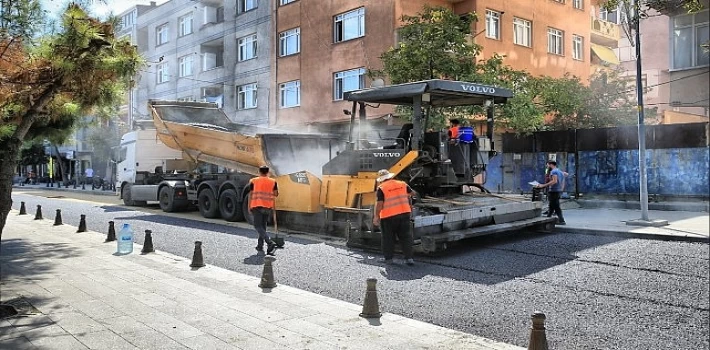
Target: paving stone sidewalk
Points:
(683, 225)
(84, 297)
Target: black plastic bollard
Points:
(197, 258)
(111, 236)
(148, 243)
(38, 214)
(58, 218)
(82, 224)
(538, 339)
(371, 305)
(23, 210)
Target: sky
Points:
(100, 8)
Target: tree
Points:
(46, 87)
(33, 154)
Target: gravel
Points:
(597, 292)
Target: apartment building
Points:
(208, 50)
(325, 47)
(674, 66)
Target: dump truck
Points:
(328, 182)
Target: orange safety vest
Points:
(396, 199)
(262, 195)
(454, 132)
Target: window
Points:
(186, 99)
(577, 47)
(185, 65)
(349, 25)
(290, 42)
(246, 96)
(578, 4)
(555, 41)
(688, 34)
(185, 25)
(522, 32)
(617, 15)
(129, 19)
(161, 34)
(349, 80)
(220, 14)
(163, 70)
(246, 5)
(290, 94)
(493, 24)
(286, 2)
(247, 47)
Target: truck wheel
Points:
(166, 200)
(229, 206)
(245, 209)
(126, 194)
(207, 203)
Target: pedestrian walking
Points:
(393, 213)
(263, 191)
(555, 185)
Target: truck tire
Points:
(230, 207)
(165, 197)
(207, 204)
(126, 194)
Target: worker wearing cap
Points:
(393, 213)
(263, 191)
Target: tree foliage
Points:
(436, 44)
(46, 87)
(33, 154)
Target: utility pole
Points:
(643, 177)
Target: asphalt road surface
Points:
(597, 292)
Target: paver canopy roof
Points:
(442, 93)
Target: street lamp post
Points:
(643, 177)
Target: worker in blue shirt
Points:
(556, 186)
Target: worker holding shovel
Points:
(262, 198)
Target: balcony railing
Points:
(605, 33)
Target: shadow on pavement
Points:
(492, 259)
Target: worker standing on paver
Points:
(556, 185)
(263, 191)
(393, 213)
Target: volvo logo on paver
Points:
(387, 155)
(478, 89)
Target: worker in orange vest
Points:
(454, 130)
(393, 212)
(263, 191)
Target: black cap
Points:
(263, 168)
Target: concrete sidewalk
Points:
(56, 188)
(683, 225)
(84, 297)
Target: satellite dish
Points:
(377, 83)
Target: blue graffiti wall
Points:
(671, 171)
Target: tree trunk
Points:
(62, 168)
(9, 153)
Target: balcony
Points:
(605, 33)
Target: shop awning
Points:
(605, 54)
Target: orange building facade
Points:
(324, 47)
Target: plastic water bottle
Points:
(125, 240)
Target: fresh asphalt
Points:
(597, 292)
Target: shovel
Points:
(279, 241)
